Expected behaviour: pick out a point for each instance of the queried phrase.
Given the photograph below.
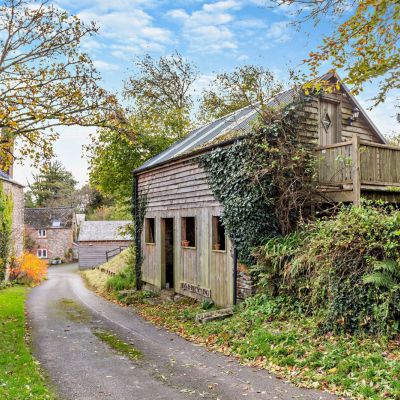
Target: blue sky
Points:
(216, 36)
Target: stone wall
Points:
(17, 193)
(245, 286)
(58, 242)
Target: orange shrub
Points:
(30, 267)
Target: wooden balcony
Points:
(350, 170)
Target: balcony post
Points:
(356, 170)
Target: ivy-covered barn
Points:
(183, 246)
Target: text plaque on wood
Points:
(196, 289)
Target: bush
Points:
(29, 268)
(343, 269)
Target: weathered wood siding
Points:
(92, 254)
(177, 186)
(176, 191)
(312, 128)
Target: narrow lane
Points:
(64, 317)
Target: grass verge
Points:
(124, 278)
(20, 376)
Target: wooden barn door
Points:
(328, 122)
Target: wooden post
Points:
(356, 171)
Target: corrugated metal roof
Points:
(239, 122)
(103, 231)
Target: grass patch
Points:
(73, 311)
(121, 265)
(117, 344)
(20, 376)
(291, 346)
(95, 279)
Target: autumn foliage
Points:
(29, 267)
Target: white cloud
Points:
(125, 23)
(105, 66)
(279, 32)
(251, 23)
(201, 83)
(208, 29)
(243, 57)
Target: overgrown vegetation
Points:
(20, 377)
(6, 209)
(344, 270)
(265, 179)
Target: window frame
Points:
(184, 231)
(40, 253)
(215, 221)
(42, 236)
(147, 226)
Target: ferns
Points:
(386, 274)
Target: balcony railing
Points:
(358, 165)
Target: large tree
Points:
(246, 86)
(365, 43)
(45, 79)
(53, 186)
(160, 104)
(162, 87)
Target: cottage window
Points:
(150, 230)
(56, 224)
(41, 253)
(218, 234)
(189, 232)
(42, 233)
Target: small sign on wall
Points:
(196, 289)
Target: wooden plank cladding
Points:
(183, 185)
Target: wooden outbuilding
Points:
(184, 245)
(101, 240)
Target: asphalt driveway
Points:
(64, 317)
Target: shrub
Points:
(344, 269)
(29, 268)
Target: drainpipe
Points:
(235, 262)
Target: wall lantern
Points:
(354, 116)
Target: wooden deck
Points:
(348, 171)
